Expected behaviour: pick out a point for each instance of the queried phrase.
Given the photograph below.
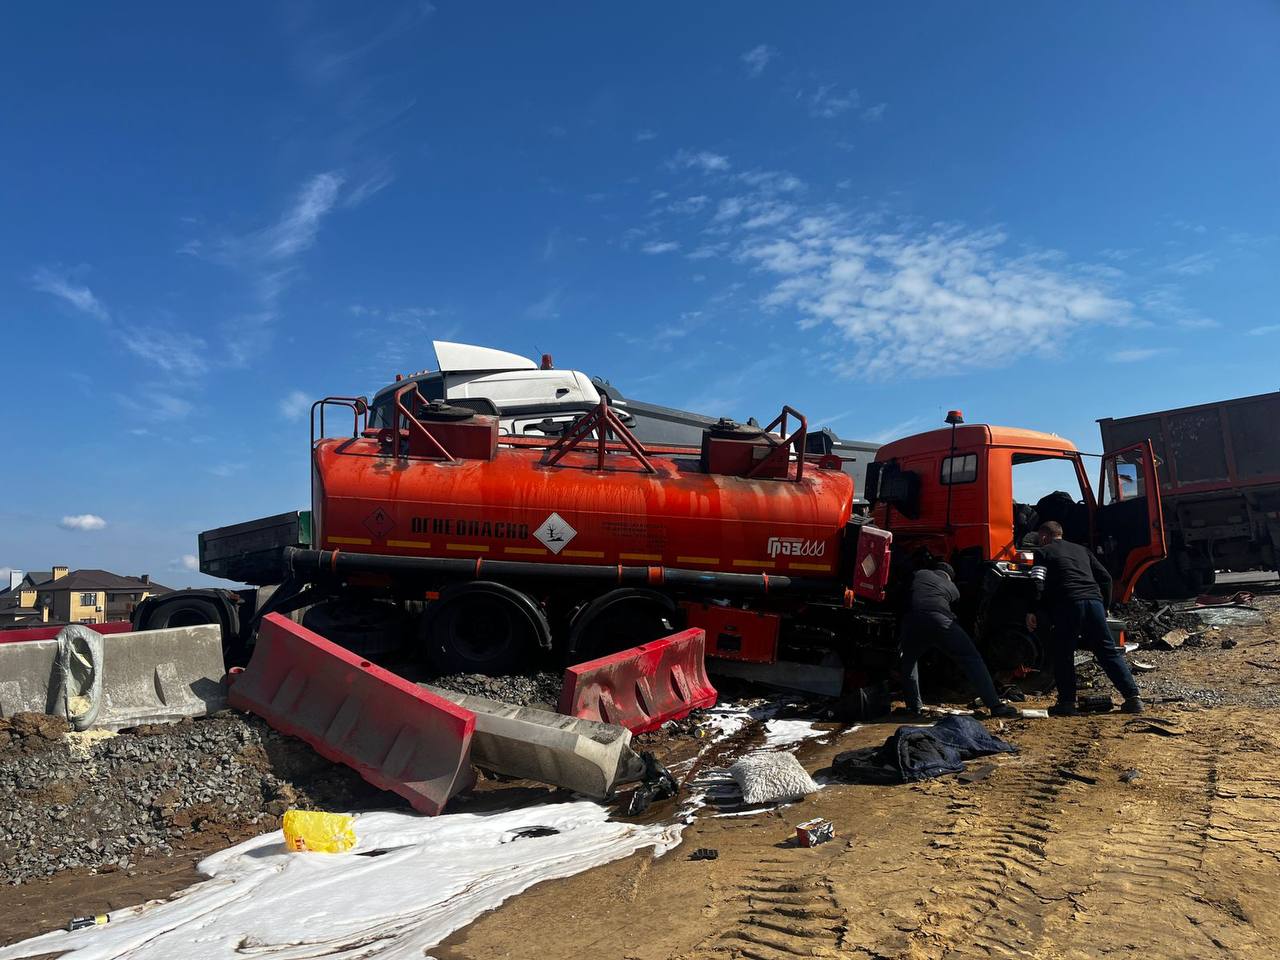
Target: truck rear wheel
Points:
(483, 627)
(369, 627)
(618, 620)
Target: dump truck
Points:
(963, 494)
(1218, 471)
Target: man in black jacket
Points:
(931, 623)
(1072, 594)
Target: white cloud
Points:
(548, 308)
(296, 230)
(225, 469)
(188, 561)
(373, 184)
(295, 405)
(82, 521)
(1198, 323)
(703, 160)
(1136, 355)
(827, 103)
(643, 136)
(660, 246)
(1264, 330)
(268, 258)
(61, 286)
(875, 113)
(757, 58)
(688, 204)
(925, 302)
(1192, 265)
(173, 351)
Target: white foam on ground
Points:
(439, 874)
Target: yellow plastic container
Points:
(317, 832)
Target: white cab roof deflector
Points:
(460, 357)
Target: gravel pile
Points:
(101, 801)
(543, 688)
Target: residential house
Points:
(75, 596)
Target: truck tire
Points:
(181, 612)
(618, 620)
(368, 627)
(483, 627)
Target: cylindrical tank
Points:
(512, 507)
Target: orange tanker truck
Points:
(486, 552)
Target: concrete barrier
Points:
(643, 687)
(28, 678)
(157, 676)
(585, 756)
(395, 735)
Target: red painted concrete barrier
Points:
(644, 687)
(50, 630)
(393, 733)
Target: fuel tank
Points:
(513, 507)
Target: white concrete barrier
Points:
(155, 676)
(28, 678)
(586, 756)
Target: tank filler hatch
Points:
(733, 449)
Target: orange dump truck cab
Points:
(974, 495)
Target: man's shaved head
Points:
(1052, 530)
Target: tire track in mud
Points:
(991, 901)
(783, 908)
(1157, 858)
(1153, 852)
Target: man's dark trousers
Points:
(919, 633)
(1083, 624)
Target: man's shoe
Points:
(1005, 710)
(1064, 710)
(1133, 705)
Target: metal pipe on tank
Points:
(312, 564)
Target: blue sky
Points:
(210, 215)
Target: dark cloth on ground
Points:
(920, 753)
(1082, 624)
(1072, 573)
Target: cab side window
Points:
(961, 468)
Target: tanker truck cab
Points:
(975, 494)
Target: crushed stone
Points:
(99, 803)
(522, 690)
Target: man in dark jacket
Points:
(1072, 594)
(931, 623)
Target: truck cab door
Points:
(1129, 522)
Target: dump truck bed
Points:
(250, 552)
(1208, 447)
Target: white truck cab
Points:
(524, 395)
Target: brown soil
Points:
(1051, 856)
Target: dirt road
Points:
(1052, 855)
